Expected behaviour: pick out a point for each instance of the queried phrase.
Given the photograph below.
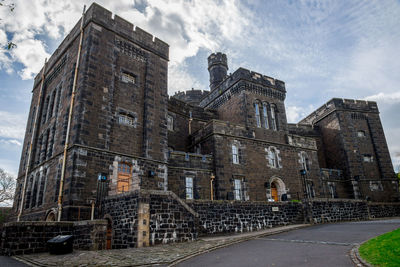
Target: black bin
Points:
(61, 244)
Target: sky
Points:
(321, 49)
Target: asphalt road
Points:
(10, 262)
(321, 245)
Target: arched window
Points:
(273, 118)
(257, 111)
(265, 115)
(273, 158)
(235, 154)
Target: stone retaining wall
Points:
(217, 217)
(31, 237)
(381, 210)
(338, 210)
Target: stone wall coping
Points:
(337, 200)
(94, 222)
(39, 223)
(246, 203)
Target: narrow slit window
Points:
(257, 110)
(265, 114)
(235, 154)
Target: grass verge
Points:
(383, 250)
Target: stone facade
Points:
(230, 143)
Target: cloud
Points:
(295, 113)
(12, 125)
(385, 97)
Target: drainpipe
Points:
(28, 164)
(211, 185)
(190, 123)
(60, 194)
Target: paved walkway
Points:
(157, 255)
(325, 245)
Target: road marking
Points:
(308, 241)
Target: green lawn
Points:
(383, 250)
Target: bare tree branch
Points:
(7, 186)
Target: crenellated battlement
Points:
(104, 18)
(340, 104)
(192, 97)
(244, 79)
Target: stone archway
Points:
(276, 189)
(51, 216)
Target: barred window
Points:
(368, 158)
(361, 133)
(305, 162)
(128, 78)
(126, 120)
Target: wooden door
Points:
(274, 192)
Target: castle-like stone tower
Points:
(218, 68)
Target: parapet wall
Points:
(340, 104)
(120, 26)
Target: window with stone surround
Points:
(257, 114)
(368, 158)
(189, 187)
(125, 119)
(124, 177)
(273, 118)
(235, 154)
(304, 160)
(237, 189)
(265, 115)
(170, 123)
(127, 77)
(361, 133)
(273, 158)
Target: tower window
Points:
(273, 158)
(238, 189)
(257, 110)
(265, 114)
(124, 177)
(368, 158)
(305, 162)
(128, 78)
(126, 120)
(235, 154)
(273, 118)
(170, 123)
(361, 134)
(189, 188)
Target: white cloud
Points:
(295, 113)
(12, 125)
(385, 97)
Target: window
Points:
(170, 123)
(368, 158)
(51, 107)
(361, 134)
(235, 154)
(273, 158)
(189, 188)
(332, 190)
(273, 117)
(126, 120)
(257, 110)
(265, 114)
(124, 177)
(128, 78)
(305, 163)
(238, 189)
(32, 119)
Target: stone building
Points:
(112, 128)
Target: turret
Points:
(218, 68)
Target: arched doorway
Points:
(276, 189)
